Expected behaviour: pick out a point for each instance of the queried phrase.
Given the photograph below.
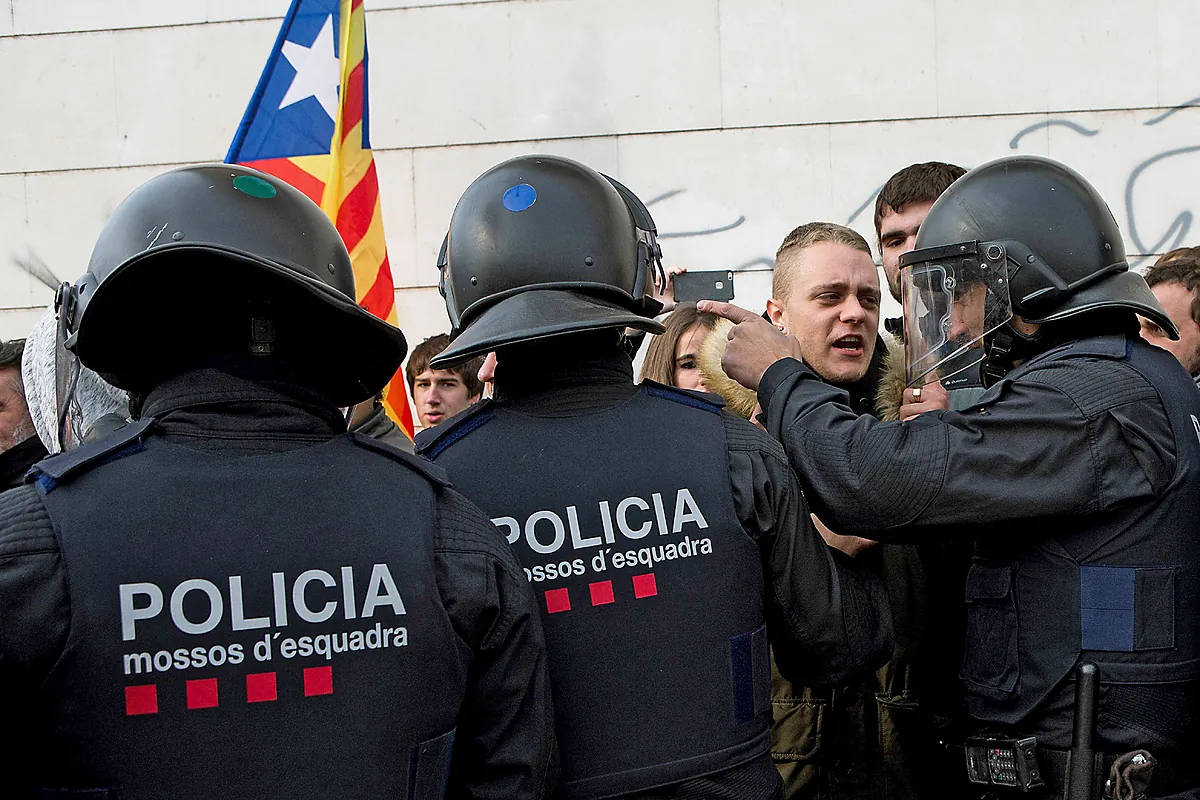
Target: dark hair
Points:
(916, 183)
(422, 354)
(659, 365)
(10, 358)
(1181, 266)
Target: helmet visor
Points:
(953, 297)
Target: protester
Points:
(900, 208)
(20, 447)
(672, 358)
(1175, 279)
(1078, 474)
(439, 394)
(229, 596)
(866, 739)
(657, 601)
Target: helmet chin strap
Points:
(1005, 347)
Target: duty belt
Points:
(1042, 772)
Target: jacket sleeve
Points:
(504, 745)
(827, 615)
(34, 612)
(1069, 437)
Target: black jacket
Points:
(1077, 477)
(827, 616)
(16, 461)
(504, 743)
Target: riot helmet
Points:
(541, 246)
(1019, 236)
(222, 260)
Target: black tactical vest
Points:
(1119, 589)
(651, 591)
(251, 626)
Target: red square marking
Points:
(202, 693)
(644, 585)
(602, 593)
(318, 680)
(141, 700)
(260, 687)
(558, 600)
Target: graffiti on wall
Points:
(1154, 221)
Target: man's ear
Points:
(775, 312)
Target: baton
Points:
(1081, 772)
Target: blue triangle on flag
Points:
(303, 127)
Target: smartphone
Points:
(692, 286)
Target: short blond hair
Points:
(786, 257)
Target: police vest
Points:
(651, 591)
(250, 626)
(1119, 589)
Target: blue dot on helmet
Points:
(519, 197)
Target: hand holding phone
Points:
(712, 285)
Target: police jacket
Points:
(1078, 475)
(230, 598)
(660, 535)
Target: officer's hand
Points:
(754, 343)
(930, 397)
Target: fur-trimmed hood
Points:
(738, 399)
(890, 394)
(880, 392)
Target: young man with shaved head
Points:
(868, 739)
(825, 292)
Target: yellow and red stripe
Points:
(351, 197)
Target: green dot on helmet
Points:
(254, 186)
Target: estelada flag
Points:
(307, 124)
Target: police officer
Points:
(663, 537)
(1077, 473)
(230, 596)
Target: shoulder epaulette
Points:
(126, 440)
(428, 469)
(705, 401)
(432, 442)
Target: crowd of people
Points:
(806, 553)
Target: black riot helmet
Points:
(1019, 236)
(215, 264)
(541, 246)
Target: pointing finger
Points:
(735, 314)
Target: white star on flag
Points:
(317, 71)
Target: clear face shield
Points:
(953, 296)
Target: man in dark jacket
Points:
(1078, 473)
(660, 569)
(20, 447)
(230, 596)
(871, 738)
